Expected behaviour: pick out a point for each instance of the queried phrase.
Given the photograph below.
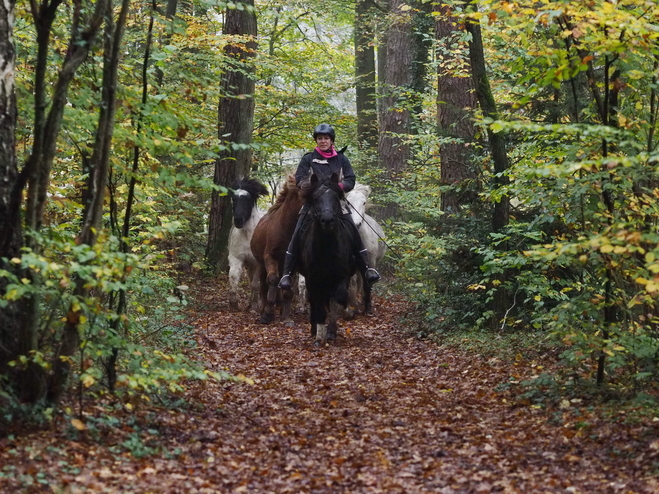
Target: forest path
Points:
(380, 411)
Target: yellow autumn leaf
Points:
(78, 424)
(606, 248)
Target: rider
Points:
(323, 161)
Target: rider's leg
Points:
(361, 255)
(290, 260)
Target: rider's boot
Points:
(286, 281)
(370, 274)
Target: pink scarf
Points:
(327, 154)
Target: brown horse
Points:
(269, 243)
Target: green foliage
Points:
(576, 88)
(131, 318)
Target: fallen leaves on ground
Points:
(380, 411)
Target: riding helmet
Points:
(326, 129)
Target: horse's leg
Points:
(270, 289)
(301, 305)
(287, 303)
(235, 270)
(333, 318)
(263, 295)
(338, 302)
(321, 334)
(349, 311)
(317, 315)
(255, 286)
(367, 298)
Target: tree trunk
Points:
(94, 193)
(367, 119)
(170, 13)
(488, 106)
(11, 235)
(20, 319)
(396, 78)
(235, 125)
(500, 217)
(456, 101)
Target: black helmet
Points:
(326, 129)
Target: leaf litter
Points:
(379, 411)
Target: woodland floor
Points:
(380, 411)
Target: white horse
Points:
(372, 236)
(246, 215)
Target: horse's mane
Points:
(363, 188)
(253, 186)
(288, 186)
(308, 188)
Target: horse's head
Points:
(357, 198)
(325, 200)
(246, 193)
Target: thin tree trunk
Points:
(497, 143)
(170, 13)
(95, 193)
(235, 126)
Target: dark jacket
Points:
(324, 167)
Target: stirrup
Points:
(286, 282)
(372, 276)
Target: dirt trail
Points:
(378, 412)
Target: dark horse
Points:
(326, 255)
(269, 243)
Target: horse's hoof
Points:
(266, 318)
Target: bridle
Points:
(318, 213)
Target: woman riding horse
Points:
(322, 162)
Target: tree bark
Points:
(497, 143)
(488, 105)
(367, 119)
(396, 78)
(94, 193)
(20, 319)
(456, 101)
(235, 126)
(11, 235)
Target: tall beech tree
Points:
(11, 233)
(456, 102)
(394, 83)
(235, 125)
(365, 74)
(21, 319)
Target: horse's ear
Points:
(334, 178)
(314, 179)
